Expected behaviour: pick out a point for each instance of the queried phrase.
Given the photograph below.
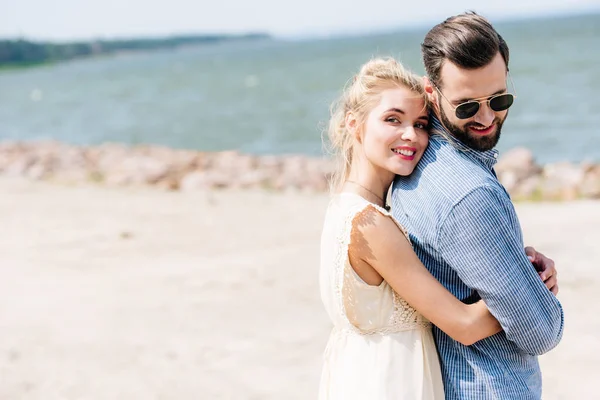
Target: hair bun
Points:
(378, 66)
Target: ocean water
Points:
(272, 96)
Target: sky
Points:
(62, 20)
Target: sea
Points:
(272, 96)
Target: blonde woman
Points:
(378, 294)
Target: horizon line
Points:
(335, 33)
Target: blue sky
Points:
(85, 19)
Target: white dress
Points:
(380, 347)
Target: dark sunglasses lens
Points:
(467, 110)
(502, 102)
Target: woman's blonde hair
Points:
(359, 96)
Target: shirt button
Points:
(495, 155)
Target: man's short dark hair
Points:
(467, 40)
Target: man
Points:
(463, 224)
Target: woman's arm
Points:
(378, 243)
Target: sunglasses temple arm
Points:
(512, 84)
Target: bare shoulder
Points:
(372, 219)
(374, 231)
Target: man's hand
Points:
(545, 268)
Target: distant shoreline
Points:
(25, 53)
(22, 53)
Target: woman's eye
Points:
(393, 120)
(420, 125)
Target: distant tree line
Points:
(22, 52)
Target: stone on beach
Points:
(187, 170)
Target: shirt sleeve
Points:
(481, 240)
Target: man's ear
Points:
(352, 125)
(430, 91)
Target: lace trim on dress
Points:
(404, 317)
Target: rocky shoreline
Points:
(188, 170)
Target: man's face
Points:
(482, 131)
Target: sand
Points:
(141, 294)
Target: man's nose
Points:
(485, 115)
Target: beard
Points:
(471, 140)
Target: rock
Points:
(73, 165)
(528, 189)
(72, 158)
(255, 179)
(193, 181)
(125, 235)
(271, 168)
(137, 169)
(79, 175)
(515, 166)
(318, 173)
(561, 181)
(563, 175)
(37, 172)
(510, 181)
(173, 169)
(564, 172)
(204, 180)
(170, 183)
(19, 165)
(590, 185)
(107, 156)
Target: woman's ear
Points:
(352, 125)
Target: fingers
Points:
(544, 264)
(550, 278)
(547, 268)
(551, 282)
(531, 253)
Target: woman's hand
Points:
(545, 268)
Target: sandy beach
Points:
(138, 293)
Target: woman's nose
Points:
(409, 134)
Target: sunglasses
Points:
(468, 109)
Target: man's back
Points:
(465, 230)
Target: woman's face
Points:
(395, 132)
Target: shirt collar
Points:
(488, 157)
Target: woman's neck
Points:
(374, 188)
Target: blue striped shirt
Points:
(465, 230)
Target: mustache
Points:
(496, 121)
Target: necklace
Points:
(374, 194)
